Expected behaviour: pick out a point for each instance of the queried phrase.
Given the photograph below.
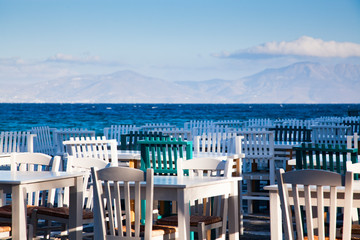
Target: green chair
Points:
(331, 158)
(162, 154)
(130, 141)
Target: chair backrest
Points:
(112, 215)
(162, 154)
(44, 141)
(330, 134)
(177, 133)
(198, 131)
(315, 156)
(84, 165)
(16, 142)
(219, 142)
(353, 142)
(259, 122)
(291, 134)
(130, 141)
(36, 162)
(208, 167)
(205, 167)
(296, 123)
(354, 125)
(258, 144)
(198, 124)
(230, 123)
(115, 131)
(61, 135)
(100, 148)
(156, 126)
(314, 182)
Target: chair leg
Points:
(241, 210)
(201, 231)
(249, 191)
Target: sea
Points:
(24, 116)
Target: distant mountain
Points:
(297, 83)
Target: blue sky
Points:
(172, 40)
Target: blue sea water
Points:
(21, 117)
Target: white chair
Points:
(60, 213)
(115, 131)
(100, 148)
(16, 142)
(352, 141)
(177, 133)
(314, 182)
(355, 168)
(114, 222)
(330, 134)
(44, 141)
(150, 127)
(61, 135)
(32, 162)
(258, 163)
(206, 214)
(216, 142)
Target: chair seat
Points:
(355, 231)
(5, 211)
(61, 212)
(5, 227)
(194, 220)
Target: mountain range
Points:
(297, 83)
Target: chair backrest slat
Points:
(312, 184)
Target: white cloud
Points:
(303, 47)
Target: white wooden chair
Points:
(330, 134)
(91, 147)
(206, 214)
(177, 133)
(31, 162)
(198, 124)
(314, 182)
(258, 163)
(44, 141)
(61, 135)
(352, 141)
(16, 142)
(263, 123)
(60, 213)
(115, 131)
(355, 168)
(216, 142)
(149, 127)
(114, 220)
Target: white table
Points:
(275, 208)
(184, 189)
(18, 183)
(133, 157)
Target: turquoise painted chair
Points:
(331, 158)
(162, 154)
(130, 141)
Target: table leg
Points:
(183, 215)
(18, 213)
(75, 208)
(275, 216)
(234, 212)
